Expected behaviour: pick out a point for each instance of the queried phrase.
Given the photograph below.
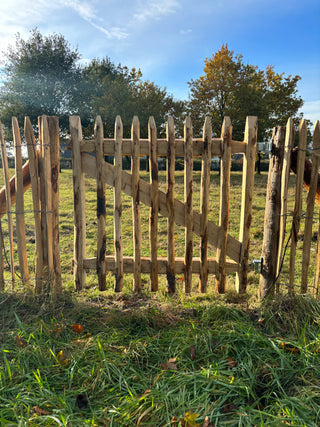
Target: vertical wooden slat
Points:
(272, 215)
(188, 192)
(48, 201)
(20, 220)
(79, 203)
(171, 158)
(226, 136)
(135, 171)
(250, 138)
(118, 131)
(310, 208)
(40, 155)
(54, 137)
(204, 204)
(8, 201)
(298, 201)
(154, 207)
(101, 206)
(317, 268)
(1, 260)
(289, 141)
(35, 188)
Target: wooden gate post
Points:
(272, 216)
(79, 203)
(250, 138)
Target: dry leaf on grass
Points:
(77, 328)
(232, 362)
(171, 364)
(192, 352)
(39, 411)
(20, 341)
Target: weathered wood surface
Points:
(204, 204)
(8, 201)
(2, 282)
(20, 219)
(250, 138)
(154, 203)
(136, 217)
(188, 193)
(298, 202)
(54, 137)
(270, 245)
(89, 167)
(35, 187)
(171, 274)
(41, 168)
(289, 142)
(79, 202)
(317, 267)
(226, 136)
(101, 206)
(118, 131)
(162, 144)
(146, 265)
(310, 208)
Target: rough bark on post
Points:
(226, 136)
(118, 130)
(8, 201)
(188, 192)
(272, 216)
(35, 187)
(171, 161)
(298, 201)
(310, 208)
(42, 193)
(79, 203)
(54, 136)
(1, 260)
(20, 220)
(284, 189)
(101, 206)
(135, 171)
(204, 204)
(317, 268)
(250, 138)
(154, 208)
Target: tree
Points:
(231, 88)
(41, 76)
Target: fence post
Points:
(101, 205)
(1, 260)
(226, 136)
(171, 162)
(272, 216)
(79, 203)
(118, 131)
(298, 201)
(310, 208)
(8, 201)
(250, 138)
(54, 137)
(204, 204)
(35, 187)
(42, 194)
(188, 192)
(20, 220)
(135, 171)
(154, 207)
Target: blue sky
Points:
(170, 39)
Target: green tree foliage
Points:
(41, 76)
(231, 88)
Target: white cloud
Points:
(311, 110)
(155, 10)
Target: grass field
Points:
(151, 360)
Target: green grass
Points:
(234, 361)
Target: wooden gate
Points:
(231, 254)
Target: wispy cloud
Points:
(155, 10)
(311, 110)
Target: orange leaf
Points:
(77, 328)
(39, 411)
(232, 362)
(145, 394)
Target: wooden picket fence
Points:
(41, 173)
(231, 254)
(284, 157)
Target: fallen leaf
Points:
(192, 352)
(232, 362)
(20, 341)
(145, 394)
(190, 419)
(39, 411)
(82, 401)
(170, 364)
(62, 359)
(207, 423)
(77, 328)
